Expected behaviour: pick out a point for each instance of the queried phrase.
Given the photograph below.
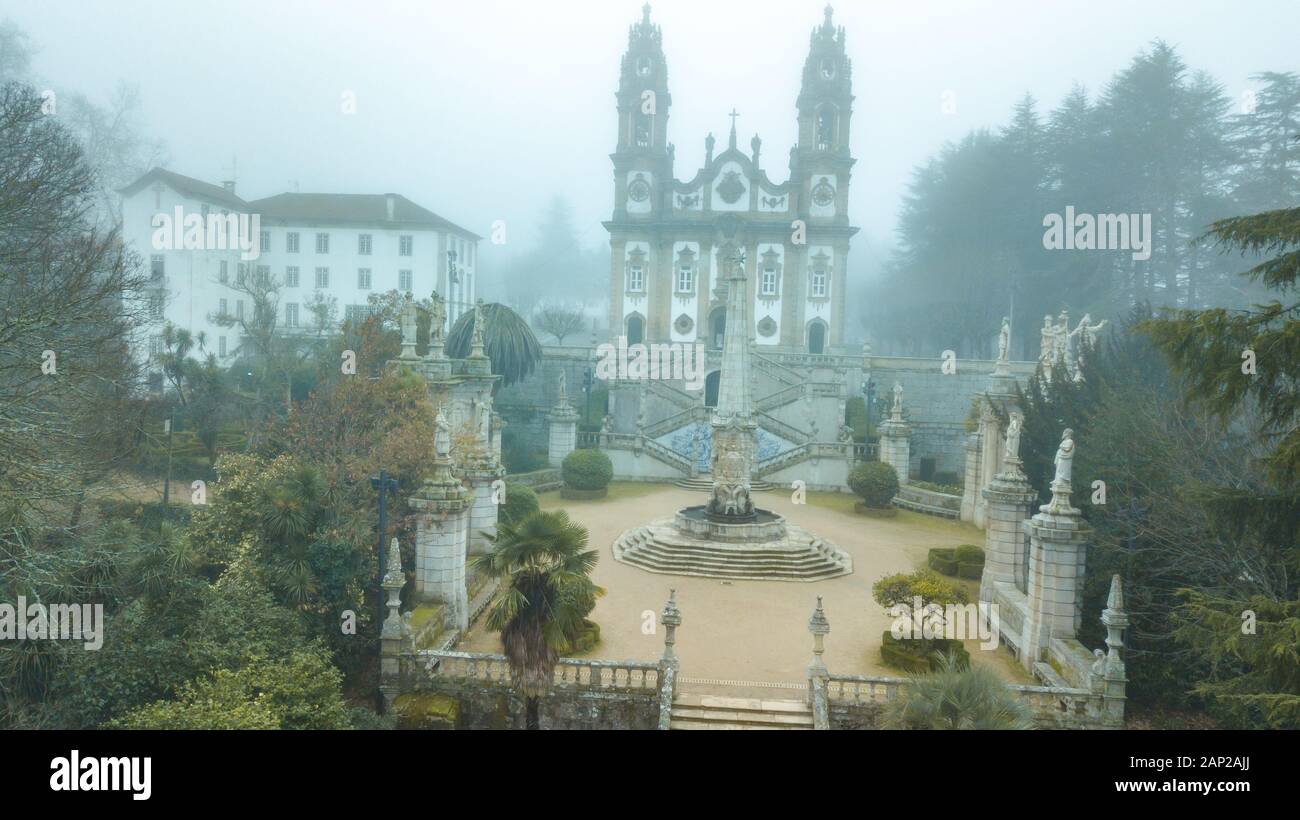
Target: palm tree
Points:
(545, 567)
(953, 698)
(507, 339)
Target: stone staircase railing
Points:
(800, 454)
(681, 398)
(676, 420)
(780, 398)
(777, 371)
(777, 427)
(667, 455)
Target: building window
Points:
(405, 244)
(363, 244)
(221, 346)
(404, 280)
(266, 240)
(157, 266)
(291, 276)
(685, 279)
(239, 309)
(222, 307)
(322, 277)
(157, 300)
(768, 287)
(223, 272)
(291, 242)
(636, 279)
(322, 243)
(155, 346)
(290, 315)
(357, 313)
(363, 278)
(817, 284)
(263, 275)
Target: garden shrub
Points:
(587, 470)
(875, 483)
(520, 502)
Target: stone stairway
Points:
(714, 712)
(704, 483)
(799, 557)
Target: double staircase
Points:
(713, 712)
(798, 557)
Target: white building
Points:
(342, 247)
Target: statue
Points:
(437, 321)
(1047, 341)
(846, 434)
(607, 424)
(564, 397)
(441, 436)
(1064, 458)
(897, 407)
(1012, 449)
(1004, 340)
(408, 328)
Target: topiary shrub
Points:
(520, 502)
(587, 470)
(943, 560)
(900, 595)
(970, 561)
(875, 483)
(920, 657)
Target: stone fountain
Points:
(729, 537)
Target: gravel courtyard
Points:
(757, 631)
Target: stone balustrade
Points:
(484, 668)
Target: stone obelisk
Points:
(733, 418)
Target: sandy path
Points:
(757, 630)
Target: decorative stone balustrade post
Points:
(391, 637)
(1116, 621)
(819, 627)
(895, 438)
(563, 436)
(671, 618)
(971, 486)
(1008, 502)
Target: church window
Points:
(686, 279)
(768, 287)
(636, 279)
(817, 284)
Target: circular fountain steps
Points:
(704, 484)
(799, 556)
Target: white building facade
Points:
(336, 249)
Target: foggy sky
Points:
(484, 110)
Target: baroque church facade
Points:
(668, 237)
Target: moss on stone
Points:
(426, 710)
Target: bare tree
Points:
(559, 320)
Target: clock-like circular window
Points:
(823, 193)
(639, 189)
(684, 324)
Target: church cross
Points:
(733, 116)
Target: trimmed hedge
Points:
(920, 656)
(966, 561)
(520, 503)
(587, 470)
(875, 482)
(588, 638)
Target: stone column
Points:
(971, 486)
(442, 507)
(1009, 501)
(564, 428)
(481, 477)
(895, 446)
(391, 635)
(1057, 545)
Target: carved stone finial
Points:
(671, 618)
(817, 624)
(476, 350)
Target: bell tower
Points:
(826, 96)
(642, 160)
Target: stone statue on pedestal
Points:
(1065, 459)
(1004, 340)
(896, 409)
(1012, 450)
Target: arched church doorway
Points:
(711, 388)
(817, 336)
(717, 327)
(635, 329)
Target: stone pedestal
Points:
(442, 508)
(970, 497)
(483, 505)
(1008, 502)
(563, 435)
(895, 447)
(1057, 549)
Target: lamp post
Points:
(386, 485)
(588, 382)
